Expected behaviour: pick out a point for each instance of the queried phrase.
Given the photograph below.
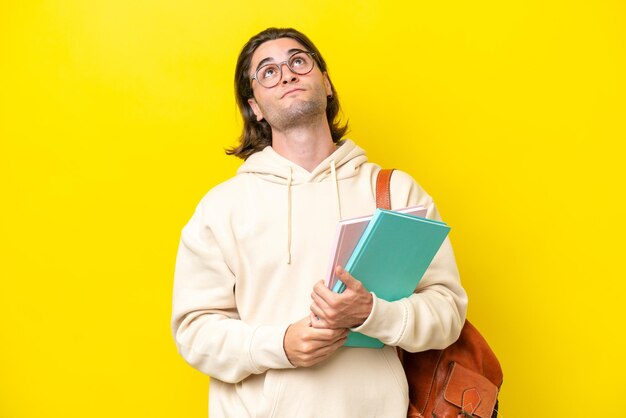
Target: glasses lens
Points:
(301, 63)
(268, 75)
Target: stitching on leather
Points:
(432, 380)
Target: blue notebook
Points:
(391, 257)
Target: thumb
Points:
(345, 277)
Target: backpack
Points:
(460, 381)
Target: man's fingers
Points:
(322, 295)
(324, 352)
(345, 277)
(318, 323)
(306, 345)
(336, 345)
(316, 317)
(343, 335)
(326, 334)
(319, 299)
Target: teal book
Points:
(391, 257)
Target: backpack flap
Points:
(471, 392)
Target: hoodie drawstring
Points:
(335, 182)
(289, 180)
(333, 173)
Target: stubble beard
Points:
(299, 114)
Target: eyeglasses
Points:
(269, 75)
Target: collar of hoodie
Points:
(335, 193)
(271, 166)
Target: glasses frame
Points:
(280, 68)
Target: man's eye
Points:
(268, 72)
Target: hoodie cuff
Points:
(386, 322)
(266, 348)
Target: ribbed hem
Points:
(266, 348)
(383, 323)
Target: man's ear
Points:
(329, 88)
(255, 109)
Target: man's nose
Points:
(288, 76)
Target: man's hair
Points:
(257, 135)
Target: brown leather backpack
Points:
(462, 380)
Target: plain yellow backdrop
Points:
(114, 117)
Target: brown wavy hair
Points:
(257, 135)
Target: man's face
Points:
(296, 98)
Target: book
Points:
(391, 257)
(347, 236)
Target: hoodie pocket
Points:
(354, 382)
(272, 390)
(395, 369)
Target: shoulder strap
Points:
(383, 187)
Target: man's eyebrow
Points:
(271, 59)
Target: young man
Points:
(250, 306)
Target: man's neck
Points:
(306, 146)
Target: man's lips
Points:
(291, 91)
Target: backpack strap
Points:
(383, 189)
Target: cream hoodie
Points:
(246, 266)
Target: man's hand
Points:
(306, 346)
(341, 310)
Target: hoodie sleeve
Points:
(207, 329)
(433, 316)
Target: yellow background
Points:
(114, 117)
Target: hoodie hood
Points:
(271, 166)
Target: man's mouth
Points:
(291, 91)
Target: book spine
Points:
(339, 286)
